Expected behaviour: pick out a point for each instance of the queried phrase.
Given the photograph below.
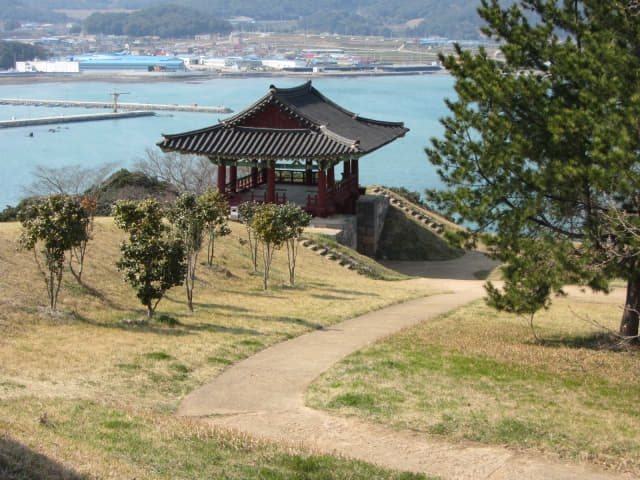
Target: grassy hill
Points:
(418, 18)
(89, 392)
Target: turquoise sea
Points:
(416, 100)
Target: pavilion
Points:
(291, 140)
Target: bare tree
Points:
(67, 180)
(78, 251)
(188, 173)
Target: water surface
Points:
(416, 100)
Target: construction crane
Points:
(115, 99)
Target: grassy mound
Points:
(89, 391)
(476, 374)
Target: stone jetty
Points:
(73, 118)
(120, 105)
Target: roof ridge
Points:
(250, 109)
(192, 132)
(354, 144)
(354, 115)
(314, 124)
(269, 97)
(303, 88)
(269, 129)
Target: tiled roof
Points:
(248, 142)
(325, 130)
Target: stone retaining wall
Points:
(371, 211)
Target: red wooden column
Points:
(233, 178)
(271, 183)
(222, 177)
(354, 170)
(346, 169)
(331, 187)
(254, 176)
(322, 193)
(331, 179)
(308, 173)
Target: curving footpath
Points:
(264, 395)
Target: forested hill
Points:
(450, 18)
(166, 21)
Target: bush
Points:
(126, 185)
(10, 214)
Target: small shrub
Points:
(158, 356)
(167, 320)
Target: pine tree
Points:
(541, 148)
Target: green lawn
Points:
(90, 391)
(478, 375)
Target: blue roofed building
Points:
(116, 61)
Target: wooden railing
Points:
(247, 182)
(296, 177)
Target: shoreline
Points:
(145, 77)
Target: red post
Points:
(354, 171)
(271, 183)
(222, 177)
(308, 173)
(331, 179)
(346, 169)
(233, 178)
(322, 193)
(254, 177)
(331, 187)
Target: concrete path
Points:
(264, 396)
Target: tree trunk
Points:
(291, 257)
(629, 323)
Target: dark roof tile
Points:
(332, 131)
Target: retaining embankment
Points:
(120, 105)
(72, 118)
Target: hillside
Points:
(89, 392)
(453, 18)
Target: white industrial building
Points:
(42, 66)
(283, 63)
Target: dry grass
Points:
(479, 375)
(100, 348)
(85, 440)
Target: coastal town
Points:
(237, 53)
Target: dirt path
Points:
(264, 395)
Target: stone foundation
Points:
(371, 211)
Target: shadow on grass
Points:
(352, 292)
(94, 292)
(329, 297)
(270, 292)
(207, 327)
(596, 341)
(214, 306)
(20, 462)
(297, 321)
(158, 325)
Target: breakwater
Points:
(90, 117)
(120, 105)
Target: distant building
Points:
(240, 20)
(283, 63)
(48, 66)
(115, 61)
